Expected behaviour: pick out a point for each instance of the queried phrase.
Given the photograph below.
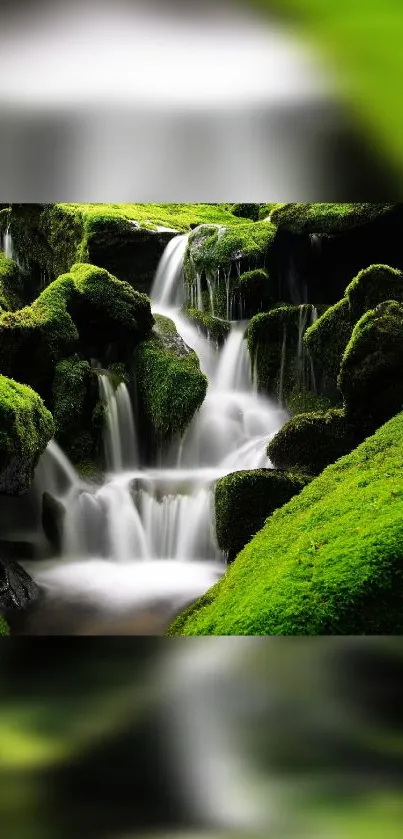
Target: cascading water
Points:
(143, 542)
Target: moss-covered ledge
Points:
(326, 218)
(11, 297)
(327, 563)
(170, 384)
(309, 442)
(244, 500)
(26, 427)
(87, 309)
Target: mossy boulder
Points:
(371, 374)
(26, 427)
(87, 308)
(280, 362)
(326, 341)
(253, 292)
(215, 329)
(10, 285)
(251, 211)
(371, 286)
(327, 563)
(244, 500)
(77, 410)
(310, 442)
(326, 218)
(170, 384)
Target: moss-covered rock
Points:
(244, 500)
(371, 374)
(310, 442)
(10, 285)
(26, 427)
(327, 563)
(251, 211)
(87, 308)
(326, 218)
(280, 363)
(77, 410)
(371, 286)
(326, 341)
(214, 328)
(253, 292)
(170, 384)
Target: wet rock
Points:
(17, 589)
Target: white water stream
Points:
(145, 539)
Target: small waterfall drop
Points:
(121, 447)
(144, 539)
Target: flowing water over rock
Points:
(141, 546)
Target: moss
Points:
(251, 211)
(213, 246)
(280, 365)
(10, 285)
(244, 500)
(328, 562)
(26, 427)
(253, 292)
(372, 286)
(4, 630)
(170, 385)
(327, 339)
(306, 401)
(326, 218)
(310, 442)
(371, 374)
(87, 307)
(77, 410)
(214, 328)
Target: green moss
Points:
(4, 630)
(25, 429)
(10, 285)
(327, 339)
(244, 500)
(254, 292)
(77, 410)
(214, 328)
(170, 385)
(213, 246)
(372, 286)
(306, 401)
(371, 374)
(251, 211)
(328, 562)
(280, 365)
(310, 442)
(87, 307)
(326, 218)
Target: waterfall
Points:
(121, 449)
(7, 244)
(282, 366)
(143, 541)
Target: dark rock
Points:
(17, 589)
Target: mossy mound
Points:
(326, 341)
(251, 211)
(87, 308)
(371, 286)
(10, 285)
(77, 410)
(215, 329)
(26, 427)
(213, 246)
(243, 502)
(326, 218)
(253, 292)
(310, 442)
(280, 363)
(371, 374)
(170, 384)
(327, 563)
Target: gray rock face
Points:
(17, 589)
